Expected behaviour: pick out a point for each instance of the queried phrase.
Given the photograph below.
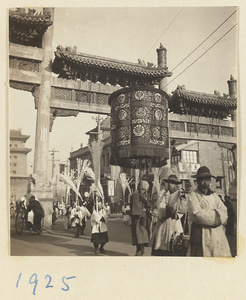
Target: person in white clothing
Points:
(207, 217)
(99, 235)
(171, 205)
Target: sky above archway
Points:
(130, 33)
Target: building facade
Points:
(18, 164)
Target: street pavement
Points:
(60, 242)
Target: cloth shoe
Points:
(96, 251)
(101, 250)
(138, 253)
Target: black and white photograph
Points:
(122, 140)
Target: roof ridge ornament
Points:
(216, 93)
(141, 62)
(22, 11)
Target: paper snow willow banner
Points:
(97, 188)
(90, 174)
(82, 166)
(96, 150)
(68, 181)
(124, 184)
(156, 181)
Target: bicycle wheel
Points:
(19, 222)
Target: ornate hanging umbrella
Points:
(139, 127)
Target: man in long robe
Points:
(170, 208)
(140, 236)
(207, 217)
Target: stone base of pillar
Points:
(45, 197)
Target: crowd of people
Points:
(202, 216)
(201, 213)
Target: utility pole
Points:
(53, 160)
(99, 133)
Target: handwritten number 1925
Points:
(34, 280)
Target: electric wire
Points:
(164, 31)
(200, 56)
(204, 40)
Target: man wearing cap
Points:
(207, 215)
(171, 206)
(140, 236)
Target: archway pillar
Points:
(43, 187)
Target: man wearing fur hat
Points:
(207, 215)
(138, 202)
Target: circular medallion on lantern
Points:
(138, 130)
(158, 114)
(157, 97)
(156, 132)
(139, 95)
(122, 114)
(140, 112)
(121, 98)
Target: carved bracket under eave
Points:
(60, 113)
(228, 146)
(35, 93)
(52, 118)
(21, 86)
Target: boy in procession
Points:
(99, 232)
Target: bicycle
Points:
(20, 219)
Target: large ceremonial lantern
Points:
(139, 127)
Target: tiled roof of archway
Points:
(195, 103)
(71, 56)
(202, 98)
(30, 17)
